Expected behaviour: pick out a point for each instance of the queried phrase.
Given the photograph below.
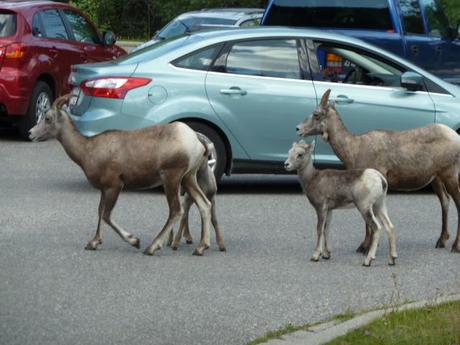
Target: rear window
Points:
(340, 14)
(7, 24)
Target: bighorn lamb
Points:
(167, 155)
(410, 160)
(331, 189)
(207, 182)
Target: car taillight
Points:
(116, 87)
(12, 54)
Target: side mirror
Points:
(109, 38)
(412, 81)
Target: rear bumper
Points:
(12, 97)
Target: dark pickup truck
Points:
(417, 30)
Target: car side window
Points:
(412, 17)
(199, 60)
(437, 20)
(82, 30)
(339, 64)
(264, 58)
(53, 24)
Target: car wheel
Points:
(40, 102)
(218, 159)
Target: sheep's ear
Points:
(325, 99)
(302, 142)
(312, 145)
(332, 104)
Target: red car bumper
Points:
(13, 93)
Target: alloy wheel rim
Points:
(42, 105)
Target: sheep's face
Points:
(316, 123)
(48, 125)
(299, 156)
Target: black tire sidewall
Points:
(219, 145)
(29, 120)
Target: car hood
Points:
(84, 72)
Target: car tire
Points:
(42, 97)
(220, 155)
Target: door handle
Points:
(234, 90)
(343, 99)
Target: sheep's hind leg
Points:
(171, 184)
(183, 227)
(215, 223)
(364, 246)
(375, 225)
(326, 254)
(191, 186)
(440, 190)
(452, 186)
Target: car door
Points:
(447, 47)
(366, 89)
(421, 48)
(257, 88)
(86, 38)
(53, 41)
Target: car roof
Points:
(15, 4)
(223, 13)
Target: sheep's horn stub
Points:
(61, 101)
(325, 98)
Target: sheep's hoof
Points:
(326, 256)
(174, 246)
(189, 241)
(89, 246)
(367, 264)
(441, 243)
(198, 252)
(147, 252)
(313, 259)
(136, 243)
(455, 249)
(362, 249)
(392, 262)
(222, 249)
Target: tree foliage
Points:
(141, 18)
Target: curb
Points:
(328, 331)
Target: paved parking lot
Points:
(52, 291)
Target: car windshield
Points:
(343, 14)
(7, 24)
(181, 26)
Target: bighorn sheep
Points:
(331, 189)
(410, 160)
(167, 155)
(207, 182)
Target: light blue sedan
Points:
(247, 89)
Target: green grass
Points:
(433, 325)
(289, 328)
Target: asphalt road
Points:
(52, 291)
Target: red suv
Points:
(39, 41)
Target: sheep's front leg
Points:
(326, 254)
(183, 227)
(97, 240)
(322, 217)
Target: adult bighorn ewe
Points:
(332, 189)
(410, 160)
(207, 182)
(167, 155)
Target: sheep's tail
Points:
(384, 182)
(206, 143)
